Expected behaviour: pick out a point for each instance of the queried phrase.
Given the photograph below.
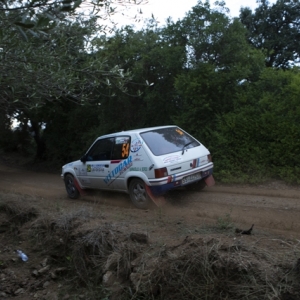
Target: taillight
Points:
(209, 158)
(159, 173)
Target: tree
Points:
(275, 29)
(42, 15)
(154, 60)
(46, 58)
(220, 63)
(54, 68)
(260, 138)
(41, 57)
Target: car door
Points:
(120, 163)
(97, 166)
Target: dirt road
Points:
(273, 207)
(191, 229)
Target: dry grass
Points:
(216, 269)
(101, 257)
(17, 209)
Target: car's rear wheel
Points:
(71, 188)
(138, 194)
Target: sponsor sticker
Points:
(171, 159)
(143, 169)
(137, 157)
(122, 167)
(122, 140)
(136, 145)
(82, 171)
(95, 168)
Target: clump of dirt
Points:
(18, 212)
(82, 254)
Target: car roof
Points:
(136, 130)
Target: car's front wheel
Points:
(71, 188)
(138, 194)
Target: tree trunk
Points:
(40, 144)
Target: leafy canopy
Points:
(276, 30)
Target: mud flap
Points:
(80, 190)
(210, 181)
(158, 200)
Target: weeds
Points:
(225, 222)
(103, 262)
(17, 208)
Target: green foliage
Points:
(39, 16)
(74, 135)
(260, 139)
(42, 73)
(225, 222)
(66, 85)
(153, 62)
(238, 146)
(280, 117)
(220, 60)
(275, 29)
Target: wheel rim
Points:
(70, 186)
(139, 193)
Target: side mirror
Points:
(83, 159)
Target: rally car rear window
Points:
(168, 140)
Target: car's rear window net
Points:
(168, 140)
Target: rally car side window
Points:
(101, 150)
(121, 147)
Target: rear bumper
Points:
(175, 183)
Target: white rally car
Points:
(144, 162)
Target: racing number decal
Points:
(179, 131)
(125, 150)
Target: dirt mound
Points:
(82, 254)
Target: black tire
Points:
(197, 186)
(71, 188)
(138, 194)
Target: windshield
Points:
(168, 140)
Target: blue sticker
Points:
(122, 167)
